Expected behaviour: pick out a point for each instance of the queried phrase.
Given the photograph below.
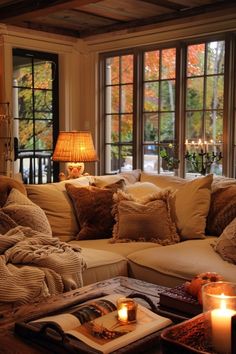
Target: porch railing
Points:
(35, 167)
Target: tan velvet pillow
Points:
(25, 213)
(6, 184)
(226, 243)
(143, 220)
(93, 207)
(222, 210)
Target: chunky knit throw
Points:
(34, 265)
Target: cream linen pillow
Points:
(226, 243)
(190, 204)
(57, 205)
(25, 213)
(140, 190)
(128, 177)
(147, 220)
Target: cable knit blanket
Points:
(34, 265)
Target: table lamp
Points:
(75, 148)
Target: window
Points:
(164, 109)
(119, 113)
(35, 111)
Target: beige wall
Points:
(78, 62)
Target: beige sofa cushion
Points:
(54, 200)
(190, 204)
(172, 265)
(226, 243)
(143, 220)
(26, 213)
(141, 190)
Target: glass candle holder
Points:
(126, 310)
(219, 302)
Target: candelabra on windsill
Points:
(201, 162)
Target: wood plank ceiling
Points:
(81, 18)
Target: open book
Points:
(95, 323)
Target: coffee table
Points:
(10, 343)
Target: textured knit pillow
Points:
(143, 220)
(226, 243)
(25, 213)
(6, 184)
(93, 207)
(222, 210)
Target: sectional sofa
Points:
(161, 229)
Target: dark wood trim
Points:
(167, 4)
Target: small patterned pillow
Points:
(25, 213)
(226, 243)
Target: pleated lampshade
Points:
(74, 146)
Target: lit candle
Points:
(221, 327)
(122, 314)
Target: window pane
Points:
(25, 104)
(167, 127)
(22, 75)
(195, 59)
(150, 121)
(194, 93)
(26, 134)
(43, 135)
(215, 92)
(151, 65)
(150, 158)
(126, 98)
(194, 125)
(168, 95)
(112, 159)
(43, 100)
(112, 99)
(127, 69)
(43, 74)
(126, 158)
(112, 71)
(214, 126)
(112, 129)
(126, 128)
(215, 57)
(151, 96)
(168, 63)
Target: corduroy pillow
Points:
(6, 223)
(144, 220)
(6, 185)
(93, 207)
(226, 243)
(222, 210)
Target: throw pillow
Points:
(190, 207)
(140, 190)
(129, 177)
(6, 223)
(57, 205)
(147, 220)
(226, 243)
(93, 207)
(222, 210)
(25, 213)
(6, 184)
(190, 204)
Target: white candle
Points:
(221, 328)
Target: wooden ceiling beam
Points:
(167, 4)
(161, 18)
(21, 11)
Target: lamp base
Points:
(74, 170)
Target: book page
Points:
(106, 334)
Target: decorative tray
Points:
(191, 336)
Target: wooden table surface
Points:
(10, 343)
